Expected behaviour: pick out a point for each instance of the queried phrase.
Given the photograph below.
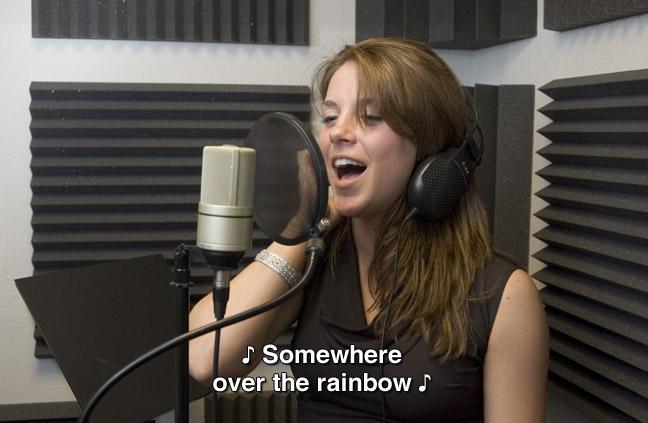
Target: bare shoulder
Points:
(520, 290)
(520, 311)
(515, 369)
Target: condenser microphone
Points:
(225, 211)
(225, 223)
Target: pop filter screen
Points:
(290, 187)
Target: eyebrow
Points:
(365, 101)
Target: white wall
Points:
(610, 47)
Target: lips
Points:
(347, 169)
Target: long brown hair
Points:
(420, 98)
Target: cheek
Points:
(323, 141)
(401, 165)
(322, 146)
(325, 146)
(392, 177)
(401, 173)
(400, 157)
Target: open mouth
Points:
(347, 168)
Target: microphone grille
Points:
(228, 176)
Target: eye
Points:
(329, 119)
(373, 119)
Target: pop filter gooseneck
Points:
(290, 186)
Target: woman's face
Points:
(368, 165)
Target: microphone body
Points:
(225, 211)
(225, 223)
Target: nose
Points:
(343, 129)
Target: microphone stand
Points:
(223, 263)
(220, 297)
(181, 283)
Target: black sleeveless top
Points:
(332, 318)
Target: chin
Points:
(347, 212)
(354, 213)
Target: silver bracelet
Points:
(279, 265)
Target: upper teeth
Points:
(347, 162)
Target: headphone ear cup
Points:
(436, 185)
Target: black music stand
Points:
(97, 319)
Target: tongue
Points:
(348, 172)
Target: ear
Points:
(437, 183)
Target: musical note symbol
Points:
(250, 351)
(423, 387)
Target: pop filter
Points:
(290, 187)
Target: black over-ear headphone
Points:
(437, 183)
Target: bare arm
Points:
(255, 285)
(515, 369)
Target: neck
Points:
(364, 235)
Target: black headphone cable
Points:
(407, 218)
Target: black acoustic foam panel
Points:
(596, 238)
(264, 407)
(563, 15)
(116, 167)
(225, 21)
(452, 24)
(505, 115)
